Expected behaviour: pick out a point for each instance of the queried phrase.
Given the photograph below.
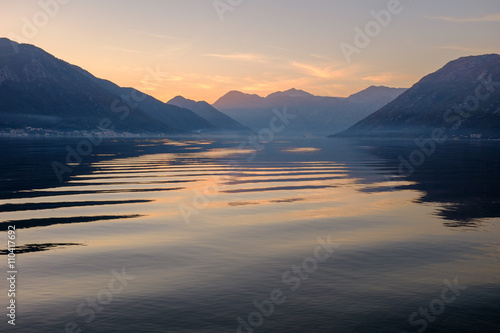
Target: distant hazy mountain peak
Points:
(376, 92)
(239, 93)
(314, 114)
(236, 98)
(374, 88)
(291, 93)
(179, 98)
(208, 112)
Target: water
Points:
(203, 230)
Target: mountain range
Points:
(37, 90)
(461, 100)
(315, 115)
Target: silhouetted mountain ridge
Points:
(463, 98)
(38, 90)
(315, 115)
(206, 111)
(290, 93)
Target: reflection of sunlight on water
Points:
(275, 192)
(186, 142)
(222, 152)
(301, 150)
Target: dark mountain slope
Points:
(39, 90)
(463, 98)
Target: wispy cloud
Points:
(325, 72)
(240, 57)
(321, 57)
(388, 78)
(173, 78)
(151, 83)
(462, 48)
(313, 70)
(486, 18)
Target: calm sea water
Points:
(192, 235)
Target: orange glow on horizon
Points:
(202, 57)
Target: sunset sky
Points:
(258, 46)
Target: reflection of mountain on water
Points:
(45, 222)
(29, 248)
(92, 191)
(462, 177)
(57, 205)
(24, 158)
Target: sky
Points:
(202, 49)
